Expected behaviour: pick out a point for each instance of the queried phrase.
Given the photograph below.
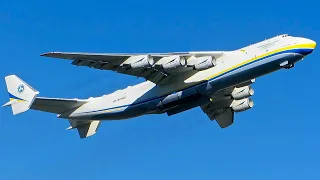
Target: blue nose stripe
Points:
(303, 51)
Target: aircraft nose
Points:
(309, 46)
(312, 43)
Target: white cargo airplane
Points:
(217, 81)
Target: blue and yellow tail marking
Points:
(13, 97)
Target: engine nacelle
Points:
(170, 98)
(242, 92)
(173, 62)
(242, 105)
(246, 83)
(139, 61)
(205, 63)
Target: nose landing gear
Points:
(287, 65)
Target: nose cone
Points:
(312, 43)
(308, 46)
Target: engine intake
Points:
(205, 63)
(242, 105)
(139, 61)
(242, 92)
(173, 62)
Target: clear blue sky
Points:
(277, 139)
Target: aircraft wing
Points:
(131, 64)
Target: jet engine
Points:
(139, 61)
(173, 62)
(204, 63)
(242, 92)
(242, 105)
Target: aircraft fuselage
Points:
(233, 68)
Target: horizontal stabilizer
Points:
(85, 128)
(56, 105)
(226, 118)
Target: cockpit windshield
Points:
(284, 35)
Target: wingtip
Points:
(49, 53)
(46, 54)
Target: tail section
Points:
(23, 97)
(21, 94)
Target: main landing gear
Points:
(287, 65)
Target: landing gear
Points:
(287, 65)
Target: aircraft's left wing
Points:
(151, 66)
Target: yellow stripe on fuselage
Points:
(296, 46)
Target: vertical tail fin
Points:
(21, 94)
